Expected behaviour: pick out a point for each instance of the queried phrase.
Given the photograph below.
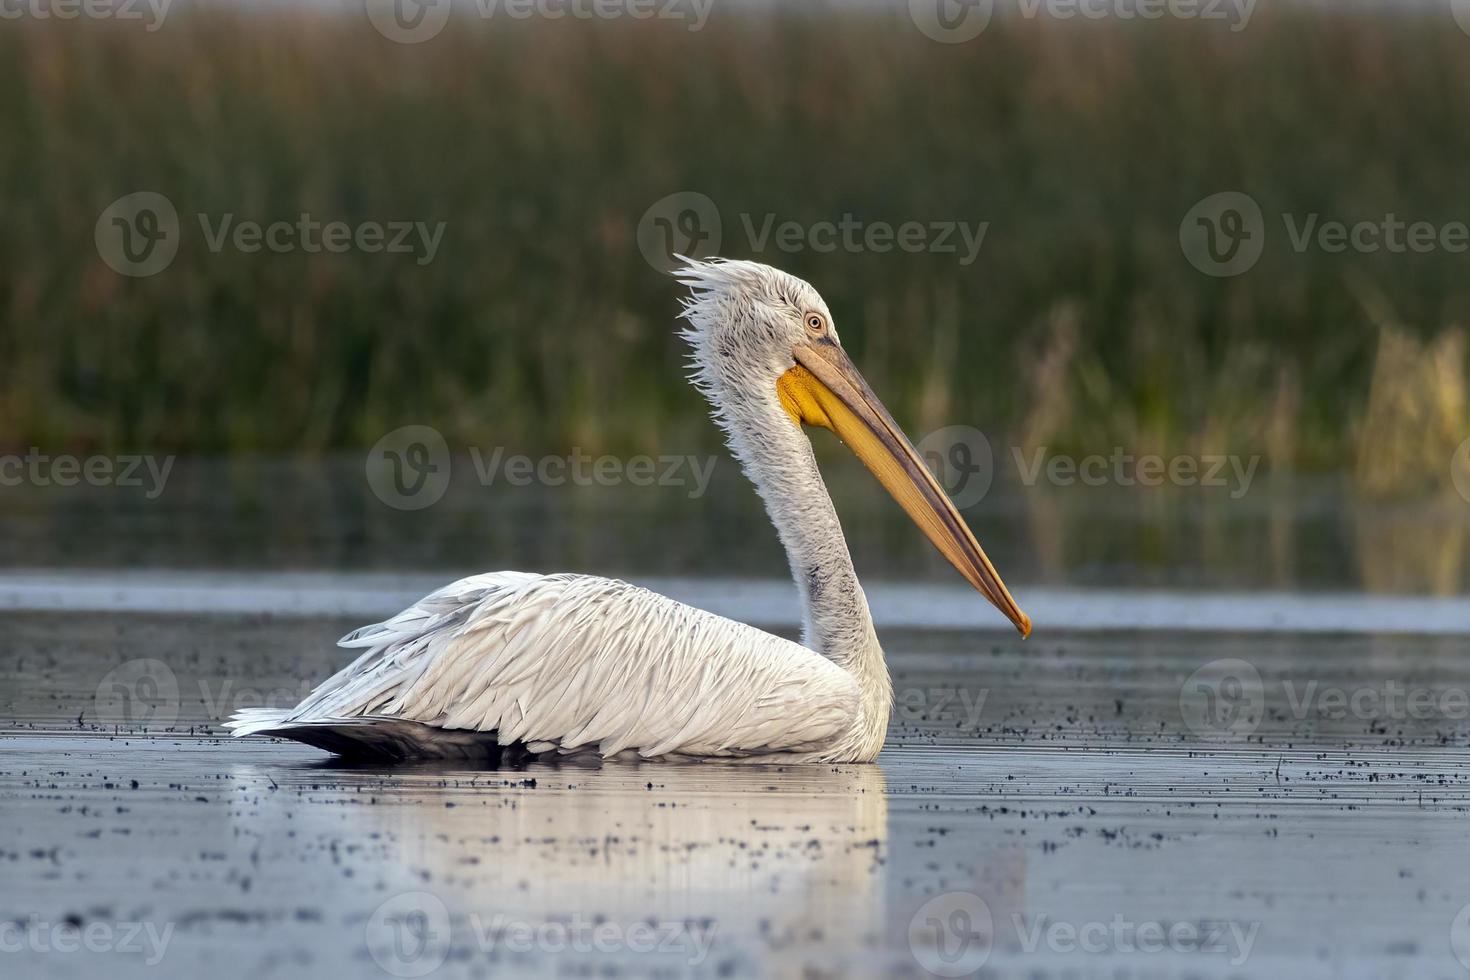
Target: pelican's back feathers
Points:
(569, 663)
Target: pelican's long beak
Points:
(825, 389)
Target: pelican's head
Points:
(761, 338)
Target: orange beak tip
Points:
(1024, 626)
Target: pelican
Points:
(578, 664)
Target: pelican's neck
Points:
(778, 458)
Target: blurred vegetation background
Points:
(539, 325)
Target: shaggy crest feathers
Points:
(736, 278)
(746, 304)
(742, 321)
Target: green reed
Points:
(541, 144)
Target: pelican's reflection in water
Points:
(679, 869)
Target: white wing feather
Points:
(571, 662)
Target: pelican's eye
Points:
(815, 323)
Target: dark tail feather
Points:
(375, 738)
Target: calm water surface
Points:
(1167, 780)
(273, 514)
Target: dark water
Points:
(269, 513)
(1166, 780)
(1118, 785)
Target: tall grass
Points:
(542, 143)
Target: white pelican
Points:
(581, 664)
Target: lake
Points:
(1235, 745)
